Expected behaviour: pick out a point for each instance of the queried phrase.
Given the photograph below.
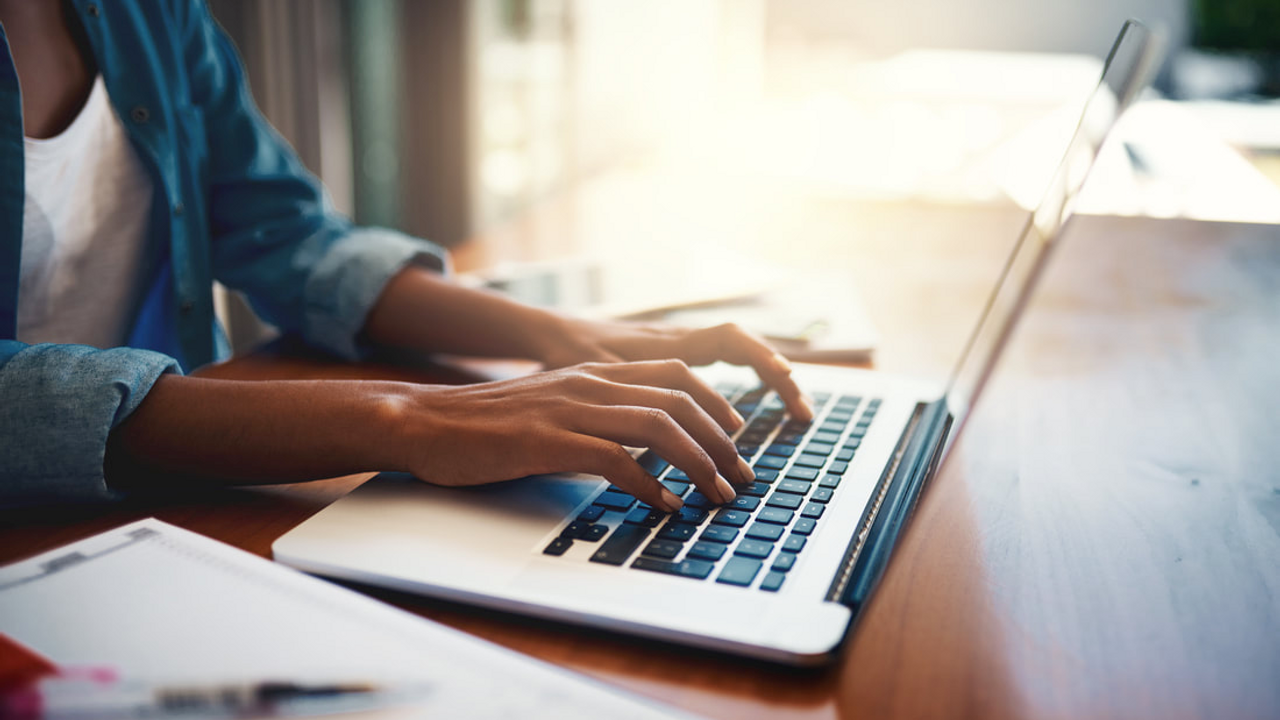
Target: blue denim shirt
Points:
(233, 203)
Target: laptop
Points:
(779, 574)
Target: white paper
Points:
(164, 605)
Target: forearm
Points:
(424, 311)
(225, 432)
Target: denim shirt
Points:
(232, 203)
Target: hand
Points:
(576, 419)
(593, 341)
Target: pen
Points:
(75, 696)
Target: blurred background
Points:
(447, 118)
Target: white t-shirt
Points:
(84, 231)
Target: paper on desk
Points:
(164, 605)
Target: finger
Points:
(676, 375)
(578, 355)
(611, 461)
(651, 427)
(731, 343)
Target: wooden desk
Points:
(1105, 542)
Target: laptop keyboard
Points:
(757, 538)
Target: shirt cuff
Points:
(60, 404)
(348, 280)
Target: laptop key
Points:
(765, 531)
(698, 569)
(803, 473)
(647, 517)
(652, 464)
(558, 546)
(611, 500)
(620, 545)
(663, 548)
(780, 450)
(787, 501)
(822, 495)
(817, 448)
(794, 543)
(739, 571)
(744, 502)
(754, 549)
(677, 474)
(813, 510)
(845, 454)
(720, 534)
(677, 531)
(765, 475)
(677, 487)
(784, 562)
(699, 501)
(813, 461)
(838, 467)
(799, 487)
(574, 530)
(771, 462)
(826, 437)
(735, 518)
(804, 526)
(772, 581)
(691, 515)
(775, 515)
(704, 550)
(829, 481)
(595, 533)
(754, 489)
(591, 514)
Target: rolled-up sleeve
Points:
(60, 404)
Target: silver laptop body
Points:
(536, 546)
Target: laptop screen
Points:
(1124, 75)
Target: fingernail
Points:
(745, 472)
(781, 363)
(670, 500)
(727, 492)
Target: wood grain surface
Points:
(1105, 541)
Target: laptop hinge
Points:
(913, 463)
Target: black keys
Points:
(676, 487)
(772, 581)
(595, 533)
(846, 454)
(838, 467)
(720, 534)
(620, 545)
(784, 562)
(817, 448)
(591, 514)
(822, 495)
(647, 517)
(698, 500)
(778, 516)
(813, 510)
(611, 500)
(558, 546)
(826, 437)
(829, 481)
(794, 543)
(744, 502)
(754, 489)
(575, 530)
(652, 464)
(739, 571)
(663, 549)
(765, 475)
(780, 450)
(698, 569)
(771, 462)
(677, 474)
(804, 526)
(704, 550)
(799, 487)
(677, 531)
(765, 531)
(691, 515)
(803, 473)
(754, 549)
(786, 501)
(813, 461)
(735, 518)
